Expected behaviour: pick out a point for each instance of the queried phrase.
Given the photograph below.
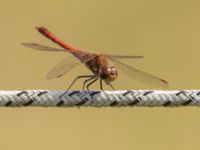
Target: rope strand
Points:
(131, 98)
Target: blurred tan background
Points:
(166, 32)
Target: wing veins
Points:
(40, 47)
(66, 65)
(140, 75)
(124, 56)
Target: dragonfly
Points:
(98, 64)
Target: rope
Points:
(147, 98)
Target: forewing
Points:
(40, 47)
(124, 56)
(66, 65)
(140, 75)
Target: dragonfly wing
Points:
(42, 47)
(77, 53)
(140, 75)
(66, 65)
(123, 56)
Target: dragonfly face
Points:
(108, 74)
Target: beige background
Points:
(166, 32)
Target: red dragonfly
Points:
(97, 63)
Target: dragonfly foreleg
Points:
(111, 86)
(101, 85)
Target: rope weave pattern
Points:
(147, 98)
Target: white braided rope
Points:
(147, 98)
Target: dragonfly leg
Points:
(101, 85)
(111, 86)
(95, 79)
(79, 77)
(92, 77)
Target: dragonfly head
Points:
(109, 74)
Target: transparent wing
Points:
(52, 49)
(66, 65)
(140, 75)
(77, 53)
(42, 47)
(123, 56)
